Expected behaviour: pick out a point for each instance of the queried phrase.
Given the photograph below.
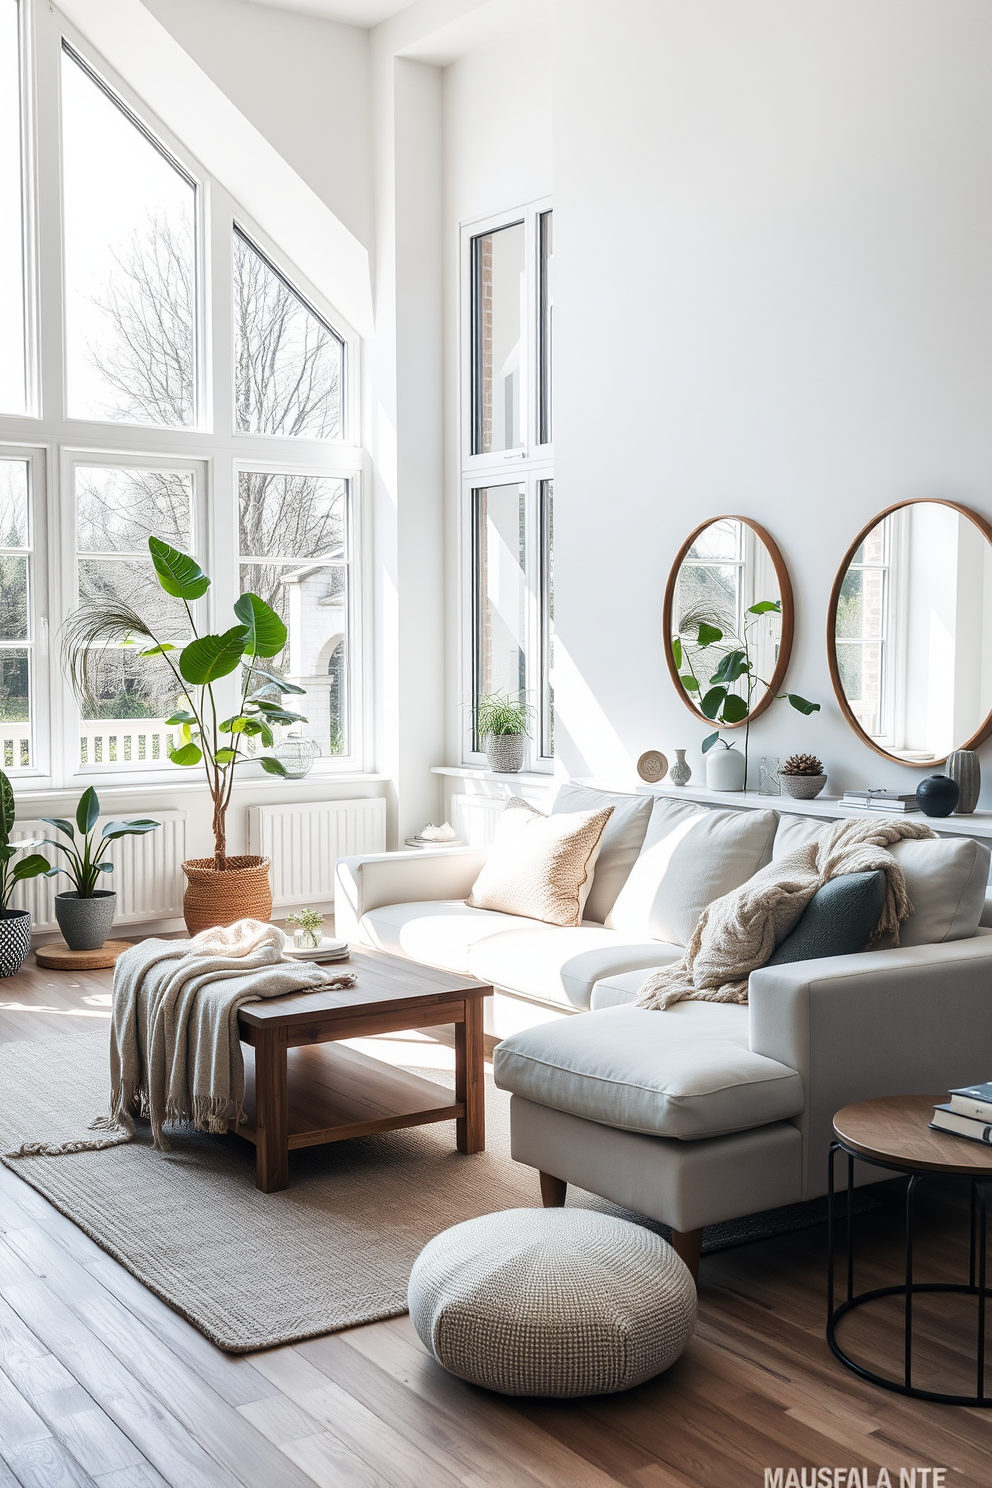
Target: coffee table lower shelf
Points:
(336, 1093)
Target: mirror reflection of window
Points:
(913, 614)
(726, 570)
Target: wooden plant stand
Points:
(58, 957)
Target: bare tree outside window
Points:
(292, 537)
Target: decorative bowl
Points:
(296, 756)
(802, 787)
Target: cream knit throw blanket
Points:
(175, 1054)
(737, 934)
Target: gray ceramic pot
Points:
(85, 923)
(505, 752)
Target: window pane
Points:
(547, 490)
(117, 511)
(291, 516)
(302, 520)
(500, 619)
(12, 362)
(313, 603)
(498, 321)
(15, 618)
(130, 275)
(547, 293)
(13, 503)
(288, 372)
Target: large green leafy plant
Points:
(718, 698)
(204, 735)
(87, 859)
(24, 868)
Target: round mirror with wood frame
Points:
(909, 631)
(729, 621)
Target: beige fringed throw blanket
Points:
(175, 1054)
(737, 934)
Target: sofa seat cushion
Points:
(560, 966)
(687, 1072)
(946, 879)
(439, 932)
(617, 991)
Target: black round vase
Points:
(937, 795)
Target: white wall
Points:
(302, 81)
(497, 156)
(773, 236)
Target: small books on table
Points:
(968, 1113)
(890, 801)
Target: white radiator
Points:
(147, 878)
(474, 818)
(306, 840)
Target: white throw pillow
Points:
(946, 879)
(541, 866)
(620, 845)
(690, 857)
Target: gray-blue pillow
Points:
(837, 921)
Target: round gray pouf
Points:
(561, 1302)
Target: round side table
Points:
(894, 1133)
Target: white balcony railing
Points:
(123, 741)
(15, 746)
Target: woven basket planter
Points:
(15, 939)
(505, 752)
(240, 892)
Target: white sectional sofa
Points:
(707, 1111)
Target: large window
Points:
(200, 391)
(507, 470)
(13, 360)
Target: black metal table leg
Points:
(909, 1289)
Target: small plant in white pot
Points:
(84, 912)
(501, 725)
(15, 924)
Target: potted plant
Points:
(15, 924)
(220, 889)
(86, 913)
(501, 723)
(308, 929)
(802, 776)
(718, 699)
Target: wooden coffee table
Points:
(300, 1091)
(893, 1132)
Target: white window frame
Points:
(215, 448)
(39, 630)
(531, 464)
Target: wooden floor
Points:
(102, 1383)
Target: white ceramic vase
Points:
(680, 773)
(724, 769)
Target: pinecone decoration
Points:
(802, 764)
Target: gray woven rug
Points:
(253, 1270)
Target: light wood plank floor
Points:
(100, 1383)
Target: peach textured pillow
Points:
(541, 866)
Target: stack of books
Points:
(968, 1113)
(880, 800)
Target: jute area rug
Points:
(252, 1270)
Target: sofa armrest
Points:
(414, 877)
(912, 1021)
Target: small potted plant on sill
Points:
(220, 889)
(308, 928)
(501, 723)
(15, 924)
(802, 776)
(84, 912)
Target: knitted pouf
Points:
(557, 1302)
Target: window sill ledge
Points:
(479, 772)
(116, 788)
